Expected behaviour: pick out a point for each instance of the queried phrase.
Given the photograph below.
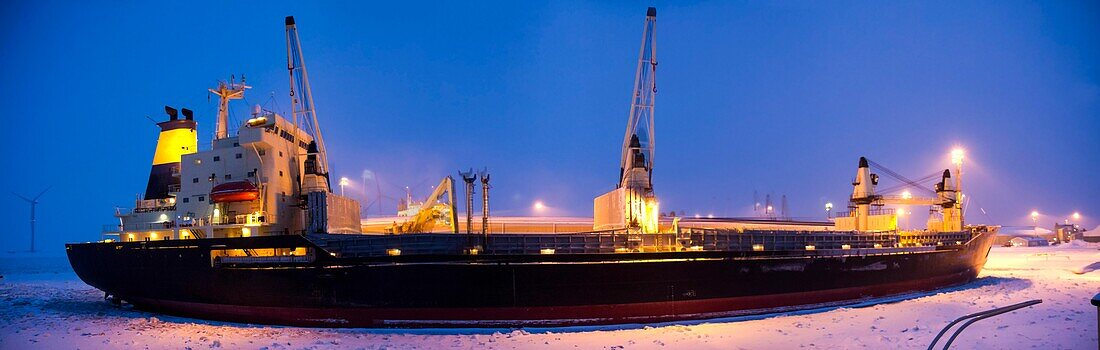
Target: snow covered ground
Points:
(45, 306)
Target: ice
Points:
(44, 306)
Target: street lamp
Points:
(906, 195)
(539, 206)
(1076, 216)
(343, 182)
(828, 208)
(1035, 216)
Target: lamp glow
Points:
(343, 182)
(957, 155)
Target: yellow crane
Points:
(440, 206)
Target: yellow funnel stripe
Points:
(173, 144)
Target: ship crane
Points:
(633, 205)
(304, 113)
(439, 206)
(636, 165)
(865, 200)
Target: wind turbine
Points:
(34, 203)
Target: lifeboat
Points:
(236, 191)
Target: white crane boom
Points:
(637, 153)
(301, 96)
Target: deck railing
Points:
(879, 211)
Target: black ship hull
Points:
(460, 290)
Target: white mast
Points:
(226, 91)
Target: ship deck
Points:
(762, 242)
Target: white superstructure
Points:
(269, 178)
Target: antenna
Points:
(34, 204)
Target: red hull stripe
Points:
(544, 315)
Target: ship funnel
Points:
(177, 138)
(171, 113)
(187, 114)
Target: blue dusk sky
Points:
(772, 97)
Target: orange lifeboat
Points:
(236, 191)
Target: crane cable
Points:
(899, 177)
(923, 180)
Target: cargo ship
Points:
(250, 230)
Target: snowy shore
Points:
(45, 306)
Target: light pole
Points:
(828, 209)
(343, 182)
(1035, 218)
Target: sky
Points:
(777, 98)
